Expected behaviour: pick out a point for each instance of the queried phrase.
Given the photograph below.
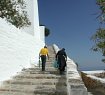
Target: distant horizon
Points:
(91, 68)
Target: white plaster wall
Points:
(17, 50)
(42, 33)
(32, 10)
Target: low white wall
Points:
(75, 85)
(74, 81)
(17, 50)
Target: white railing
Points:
(75, 85)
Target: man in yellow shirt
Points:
(43, 54)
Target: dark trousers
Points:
(43, 58)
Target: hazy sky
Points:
(72, 23)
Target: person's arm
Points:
(39, 54)
(48, 56)
(65, 56)
(56, 57)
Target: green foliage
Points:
(14, 12)
(99, 39)
(47, 32)
(99, 36)
(100, 1)
(101, 4)
(103, 60)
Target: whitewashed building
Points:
(20, 48)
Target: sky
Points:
(71, 24)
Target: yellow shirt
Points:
(44, 51)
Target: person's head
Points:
(45, 46)
(63, 49)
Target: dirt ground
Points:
(96, 92)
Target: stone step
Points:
(41, 72)
(47, 66)
(39, 76)
(31, 88)
(49, 62)
(52, 92)
(36, 82)
(51, 52)
(17, 93)
(53, 71)
(37, 92)
(51, 59)
(89, 93)
(52, 55)
(38, 69)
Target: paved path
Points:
(33, 81)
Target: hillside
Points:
(94, 81)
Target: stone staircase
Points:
(89, 93)
(33, 81)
